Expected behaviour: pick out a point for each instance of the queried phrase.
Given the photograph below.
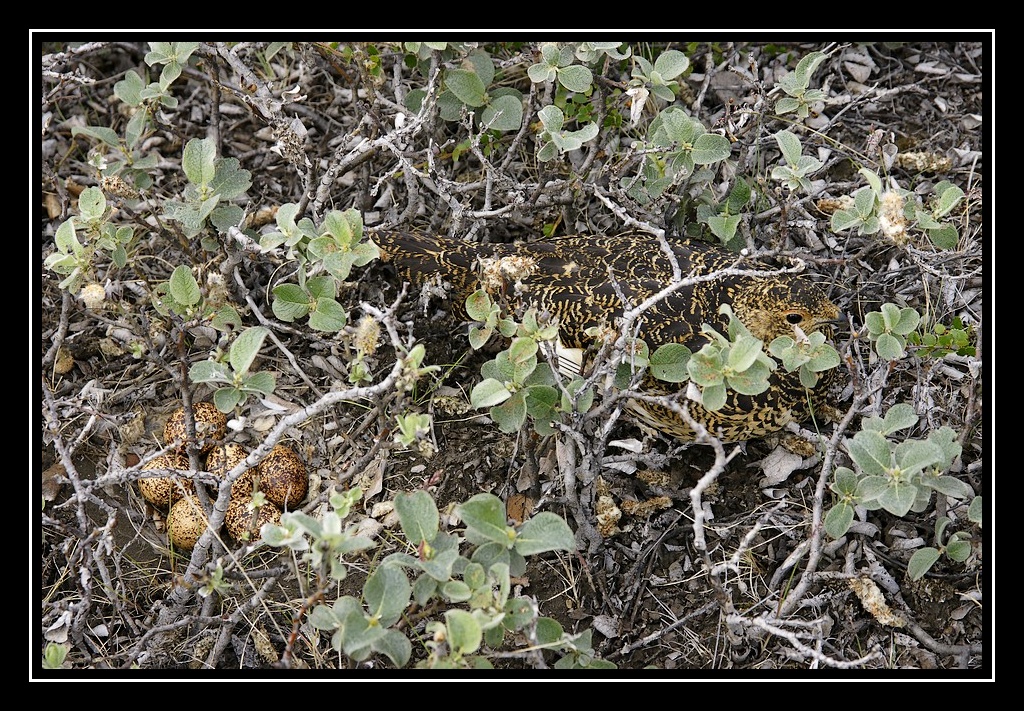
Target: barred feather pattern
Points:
(582, 280)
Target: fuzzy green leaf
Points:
(958, 550)
(724, 226)
(339, 264)
(488, 392)
(387, 592)
(485, 514)
(806, 66)
(456, 591)
(838, 520)
(790, 146)
(482, 65)
(669, 362)
(713, 397)
(921, 562)
(913, 455)
(262, 382)
(948, 199)
(549, 631)
(227, 399)
(91, 204)
(466, 86)
(67, 240)
(870, 451)
(544, 532)
(844, 220)
(898, 498)
(710, 148)
(229, 179)
(395, 646)
(209, 371)
(889, 347)
(478, 336)
(752, 381)
(511, 414)
(552, 118)
(870, 488)
(183, 286)
(478, 305)
(899, 417)
(670, 64)
(976, 511)
(944, 237)
(540, 73)
(246, 347)
(824, 357)
(504, 113)
(198, 161)
(845, 481)
(328, 316)
(323, 617)
(705, 367)
(101, 133)
(575, 78)
(950, 486)
(743, 354)
(445, 554)
(418, 516)
(464, 633)
(290, 302)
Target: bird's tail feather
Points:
(419, 257)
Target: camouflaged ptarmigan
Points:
(581, 280)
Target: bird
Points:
(582, 279)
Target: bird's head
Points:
(773, 308)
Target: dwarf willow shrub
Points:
(472, 587)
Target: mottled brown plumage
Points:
(572, 278)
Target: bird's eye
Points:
(794, 317)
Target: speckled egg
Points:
(225, 457)
(186, 522)
(164, 491)
(243, 524)
(211, 426)
(282, 477)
